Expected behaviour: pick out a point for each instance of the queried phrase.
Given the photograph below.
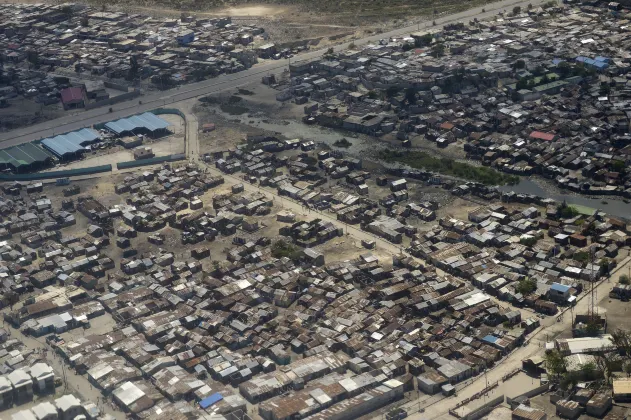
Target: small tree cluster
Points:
(526, 286)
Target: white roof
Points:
(66, 402)
(24, 415)
(41, 371)
(128, 393)
(44, 409)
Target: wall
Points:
(485, 409)
(117, 86)
(56, 174)
(539, 390)
(152, 161)
(113, 100)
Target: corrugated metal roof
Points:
(24, 154)
(210, 400)
(147, 121)
(70, 142)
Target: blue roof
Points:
(601, 58)
(490, 339)
(208, 401)
(559, 287)
(147, 121)
(70, 142)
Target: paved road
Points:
(223, 82)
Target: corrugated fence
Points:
(151, 161)
(56, 174)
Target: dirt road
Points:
(192, 143)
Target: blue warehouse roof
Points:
(70, 143)
(148, 121)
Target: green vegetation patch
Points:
(343, 143)
(422, 160)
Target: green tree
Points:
(330, 51)
(564, 68)
(526, 286)
(592, 329)
(519, 64)
(569, 380)
(621, 339)
(522, 84)
(581, 256)
(134, 68)
(618, 165)
(516, 10)
(351, 46)
(67, 10)
(373, 95)
(530, 241)
(606, 365)
(567, 212)
(282, 248)
(438, 50)
(588, 370)
(627, 369)
(85, 21)
(555, 363)
(624, 279)
(605, 88)
(424, 40)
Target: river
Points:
(615, 206)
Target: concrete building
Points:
(69, 407)
(22, 386)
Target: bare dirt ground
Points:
(319, 23)
(23, 111)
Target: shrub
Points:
(282, 248)
(526, 286)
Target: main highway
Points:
(149, 101)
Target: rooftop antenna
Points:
(592, 314)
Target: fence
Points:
(151, 161)
(56, 174)
(163, 111)
(476, 396)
